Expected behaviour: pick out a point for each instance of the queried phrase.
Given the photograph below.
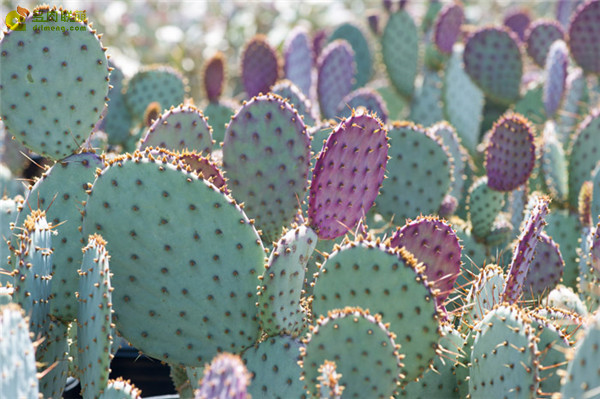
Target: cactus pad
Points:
(117, 121)
(369, 275)
(518, 20)
(546, 268)
(433, 242)
(486, 292)
(336, 71)
(510, 154)
(53, 87)
(266, 155)
(260, 66)
(360, 46)
(184, 127)
(554, 163)
(459, 155)
(298, 60)
(366, 98)
(121, 389)
(202, 254)
(280, 310)
(214, 77)
(160, 84)
(347, 175)
(363, 348)
(494, 61)
(289, 91)
(583, 32)
(504, 357)
(556, 77)
(447, 27)
(419, 174)
(584, 153)
(400, 48)
(225, 377)
(539, 37)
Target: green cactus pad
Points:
(569, 323)
(554, 163)
(553, 347)
(419, 174)
(484, 205)
(189, 280)
(564, 298)
(427, 107)
(400, 48)
(386, 282)
(564, 228)
(94, 318)
(181, 128)
(582, 35)
(556, 77)
(485, 293)
(160, 84)
(363, 349)
(581, 379)
(362, 53)
(219, 114)
(494, 61)
(463, 101)
(17, 355)
(120, 389)
(275, 370)
(53, 86)
(117, 121)
(289, 91)
(532, 103)
(266, 155)
(280, 310)
(459, 155)
(439, 382)
(583, 153)
(504, 358)
(61, 191)
(574, 105)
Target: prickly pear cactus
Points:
(286, 89)
(583, 153)
(484, 205)
(298, 60)
(202, 254)
(266, 155)
(214, 77)
(347, 175)
(539, 37)
(94, 318)
(365, 98)
(121, 389)
(367, 275)
(367, 356)
(225, 377)
(61, 77)
(363, 57)
(279, 303)
(336, 71)
(447, 27)
(400, 48)
(554, 163)
(546, 268)
(178, 129)
(17, 355)
(583, 30)
(556, 76)
(260, 66)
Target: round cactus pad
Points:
(347, 175)
(363, 56)
(419, 174)
(546, 268)
(386, 282)
(363, 349)
(61, 191)
(185, 260)
(510, 154)
(539, 37)
(266, 156)
(447, 27)
(486, 292)
(275, 369)
(584, 31)
(518, 20)
(504, 357)
(160, 84)
(494, 61)
(260, 66)
(178, 129)
(433, 242)
(53, 85)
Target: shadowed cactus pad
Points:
(260, 66)
(53, 87)
(510, 154)
(583, 32)
(363, 348)
(347, 175)
(214, 77)
(191, 279)
(494, 61)
(266, 156)
(539, 37)
(546, 268)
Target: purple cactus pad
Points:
(447, 27)
(525, 250)
(347, 175)
(584, 32)
(518, 21)
(539, 37)
(546, 268)
(214, 77)
(433, 242)
(260, 66)
(510, 154)
(298, 62)
(225, 377)
(556, 77)
(336, 69)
